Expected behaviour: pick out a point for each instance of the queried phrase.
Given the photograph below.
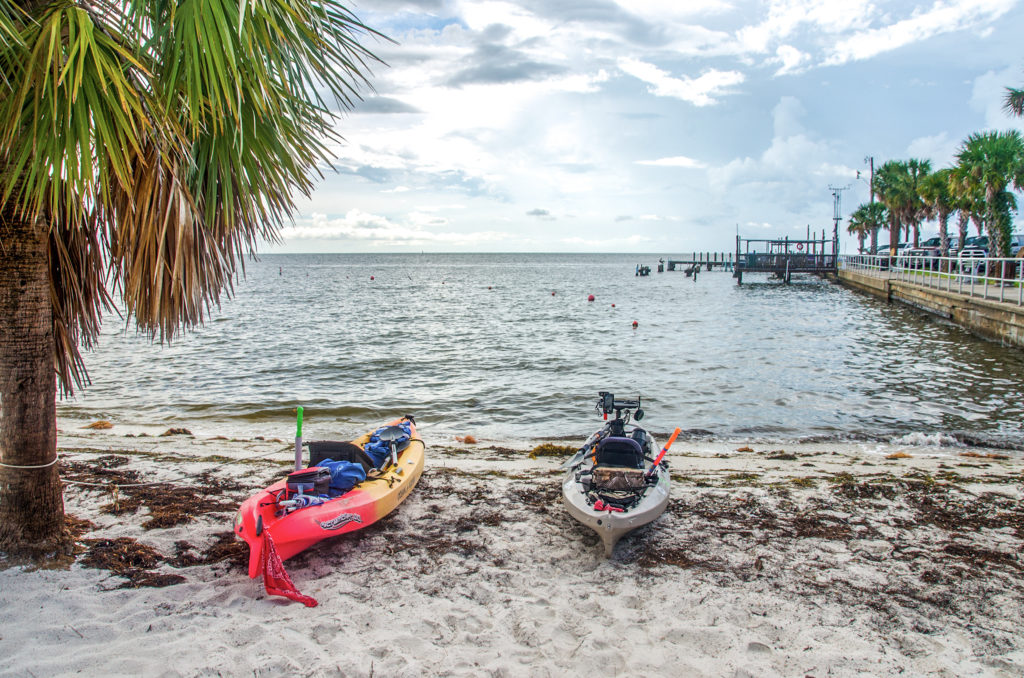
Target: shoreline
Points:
(807, 559)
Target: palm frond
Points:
(1014, 102)
(78, 297)
(73, 123)
(245, 78)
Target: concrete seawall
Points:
(999, 321)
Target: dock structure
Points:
(781, 258)
(701, 260)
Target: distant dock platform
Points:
(698, 261)
(781, 258)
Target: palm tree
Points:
(917, 210)
(866, 220)
(892, 186)
(935, 193)
(989, 163)
(858, 228)
(146, 147)
(966, 202)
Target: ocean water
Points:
(507, 347)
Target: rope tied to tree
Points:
(30, 467)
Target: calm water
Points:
(507, 346)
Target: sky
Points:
(654, 126)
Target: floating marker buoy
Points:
(552, 294)
(635, 324)
(371, 277)
(613, 305)
(488, 287)
(590, 298)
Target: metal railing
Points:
(792, 261)
(992, 278)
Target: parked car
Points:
(1016, 243)
(885, 257)
(936, 243)
(971, 260)
(977, 242)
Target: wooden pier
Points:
(700, 260)
(781, 258)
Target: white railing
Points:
(985, 277)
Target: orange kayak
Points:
(363, 505)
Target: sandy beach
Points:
(814, 560)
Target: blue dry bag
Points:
(344, 475)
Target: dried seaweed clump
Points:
(552, 450)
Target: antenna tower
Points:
(837, 215)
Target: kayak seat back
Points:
(339, 451)
(619, 452)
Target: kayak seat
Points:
(619, 452)
(339, 451)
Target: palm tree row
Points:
(978, 188)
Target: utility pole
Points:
(870, 160)
(837, 192)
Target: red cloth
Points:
(275, 578)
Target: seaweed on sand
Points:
(128, 558)
(169, 504)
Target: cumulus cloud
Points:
(700, 91)
(791, 60)
(794, 165)
(938, 148)
(988, 94)
(674, 161)
(540, 214)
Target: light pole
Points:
(870, 162)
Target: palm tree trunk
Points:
(31, 503)
(943, 238)
(961, 225)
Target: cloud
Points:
(674, 161)
(939, 148)
(540, 214)
(364, 228)
(942, 17)
(989, 93)
(498, 64)
(788, 19)
(700, 91)
(791, 59)
(383, 105)
(793, 166)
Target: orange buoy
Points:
(635, 324)
(552, 294)
(613, 305)
(590, 298)
(371, 277)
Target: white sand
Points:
(910, 571)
